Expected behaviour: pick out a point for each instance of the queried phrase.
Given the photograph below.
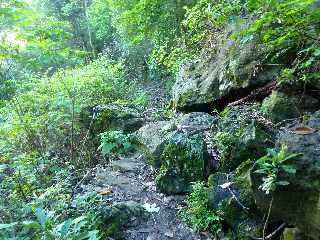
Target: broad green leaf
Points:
(289, 169)
(8, 225)
(283, 183)
(78, 219)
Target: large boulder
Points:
(230, 195)
(243, 133)
(152, 139)
(178, 148)
(112, 117)
(298, 203)
(236, 66)
(280, 106)
(121, 215)
(183, 161)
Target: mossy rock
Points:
(297, 203)
(280, 106)
(233, 67)
(235, 204)
(154, 137)
(182, 162)
(293, 234)
(110, 118)
(121, 215)
(242, 134)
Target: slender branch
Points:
(266, 223)
(72, 129)
(235, 197)
(273, 234)
(83, 178)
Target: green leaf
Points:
(78, 219)
(31, 225)
(261, 171)
(9, 225)
(316, 52)
(93, 235)
(289, 169)
(282, 183)
(292, 156)
(64, 227)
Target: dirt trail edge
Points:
(132, 180)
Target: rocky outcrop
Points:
(230, 195)
(122, 215)
(112, 117)
(298, 203)
(178, 148)
(152, 139)
(281, 106)
(182, 162)
(235, 69)
(242, 133)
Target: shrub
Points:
(115, 142)
(45, 114)
(197, 213)
(272, 165)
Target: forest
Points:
(160, 119)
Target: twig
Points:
(273, 234)
(235, 197)
(84, 140)
(84, 177)
(287, 120)
(259, 92)
(266, 223)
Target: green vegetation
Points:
(73, 81)
(198, 214)
(115, 142)
(272, 166)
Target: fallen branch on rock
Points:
(256, 94)
(273, 234)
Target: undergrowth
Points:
(198, 214)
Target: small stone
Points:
(169, 234)
(152, 237)
(168, 199)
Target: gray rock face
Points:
(178, 148)
(235, 66)
(280, 106)
(196, 121)
(112, 117)
(121, 215)
(153, 138)
(235, 203)
(299, 202)
(182, 161)
(243, 133)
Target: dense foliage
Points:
(59, 59)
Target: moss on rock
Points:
(234, 67)
(298, 202)
(235, 204)
(280, 106)
(242, 135)
(182, 163)
(119, 216)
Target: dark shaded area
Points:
(233, 96)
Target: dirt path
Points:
(131, 179)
